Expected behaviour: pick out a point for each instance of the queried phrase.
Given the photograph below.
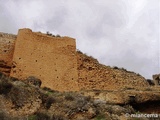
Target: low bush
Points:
(5, 87)
(42, 116)
(58, 117)
(2, 116)
(34, 81)
(39, 116)
(58, 35)
(17, 97)
(49, 102)
(69, 97)
(115, 67)
(100, 117)
(32, 117)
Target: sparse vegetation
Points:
(49, 102)
(58, 117)
(69, 97)
(33, 81)
(58, 35)
(124, 69)
(5, 87)
(50, 34)
(2, 116)
(39, 116)
(101, 117)
(138, 74)
(80, 52)
(115, 67)
(42, 116)
(56, 105)
(32, 117)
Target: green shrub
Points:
(78, 51)
(58, 117)
(58, 35)
(5, 87)
(115, 67)
(32, 117)
(16, 97)
(69, 97)
(39, 116)
(49, 102)
(100, 117)
(123, 69)
(2, 116)
(13, 79)
(34, 81)
(138, 74)
(42, 116)
(1, 75)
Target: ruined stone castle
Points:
(56, 62)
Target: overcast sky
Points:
(123, 33)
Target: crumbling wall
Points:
(51, 59)
(7, 42)
(92, 75)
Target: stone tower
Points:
(51, 59)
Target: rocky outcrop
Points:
(145, 100)
(156, 79)
(93, 75)
(7, 42)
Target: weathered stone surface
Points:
(156, 79)
(6, 51)
(133, 96)
(93, 75)
(51, 59)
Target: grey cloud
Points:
(116, 32)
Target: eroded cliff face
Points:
(93, 75)
(7, 42)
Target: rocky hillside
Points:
(62, 72)
(6, 51)
(104, 92)
(25, 100)
(93, 75)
